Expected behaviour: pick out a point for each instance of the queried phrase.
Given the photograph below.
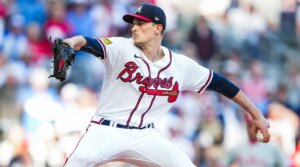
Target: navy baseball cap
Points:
(149, 13)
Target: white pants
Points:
(102, 144)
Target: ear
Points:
(159, 29)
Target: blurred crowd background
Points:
(253, 43)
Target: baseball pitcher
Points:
(142, 81)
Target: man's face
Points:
(143, 31)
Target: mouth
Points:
(135, 38)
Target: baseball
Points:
(259, 136)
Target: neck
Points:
(152, 50)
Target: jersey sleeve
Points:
(197, 77)
(113, 49)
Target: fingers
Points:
(266, 134)
(252, 134)
(254, 126)
(263, 126)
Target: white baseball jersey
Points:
(136, 91)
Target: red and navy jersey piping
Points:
(207, 82)
(154, 96)
(103, 46)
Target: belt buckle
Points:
(114, 124)
(133, 127)
(144, 127)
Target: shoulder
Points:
(182, 59)
(115, 40)
(117, 44)
(122, 39)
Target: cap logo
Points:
(156, 18)
(139, 10)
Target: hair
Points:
(162, 31)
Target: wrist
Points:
(76, 42)
(68, 42)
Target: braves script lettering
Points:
(128, 75)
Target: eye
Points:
(138, 23)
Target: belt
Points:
(113, 124)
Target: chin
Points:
(136, 43)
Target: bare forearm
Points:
(241, 99)
(76, 42)
(257, 122)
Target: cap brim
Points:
(129, 18)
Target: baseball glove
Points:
(64, 57)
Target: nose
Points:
(133, 28)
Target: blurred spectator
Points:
(293, 88)
(78, 17)
(288, 22)
(15, 44)
(171, 11)
(255, 85)
(172, 40)
(231, 67)
(281, 96)
(284, 125)
(254, 153)
(14, 150)
(12, 7)
(257, 26)
(232, 123)
(77, 102)
(30, 8)
(80, 103)
(56, 25)
(203, 37)
(209, 148)
(247, 27)
(178, 134)
(14, 75)
(39, 105)
(238, 24)
(39, 49)
(9, 111)
(23, 160)
(101, 15)
(119, 8)
(189, 49)
(223, 34)
(45, 146)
